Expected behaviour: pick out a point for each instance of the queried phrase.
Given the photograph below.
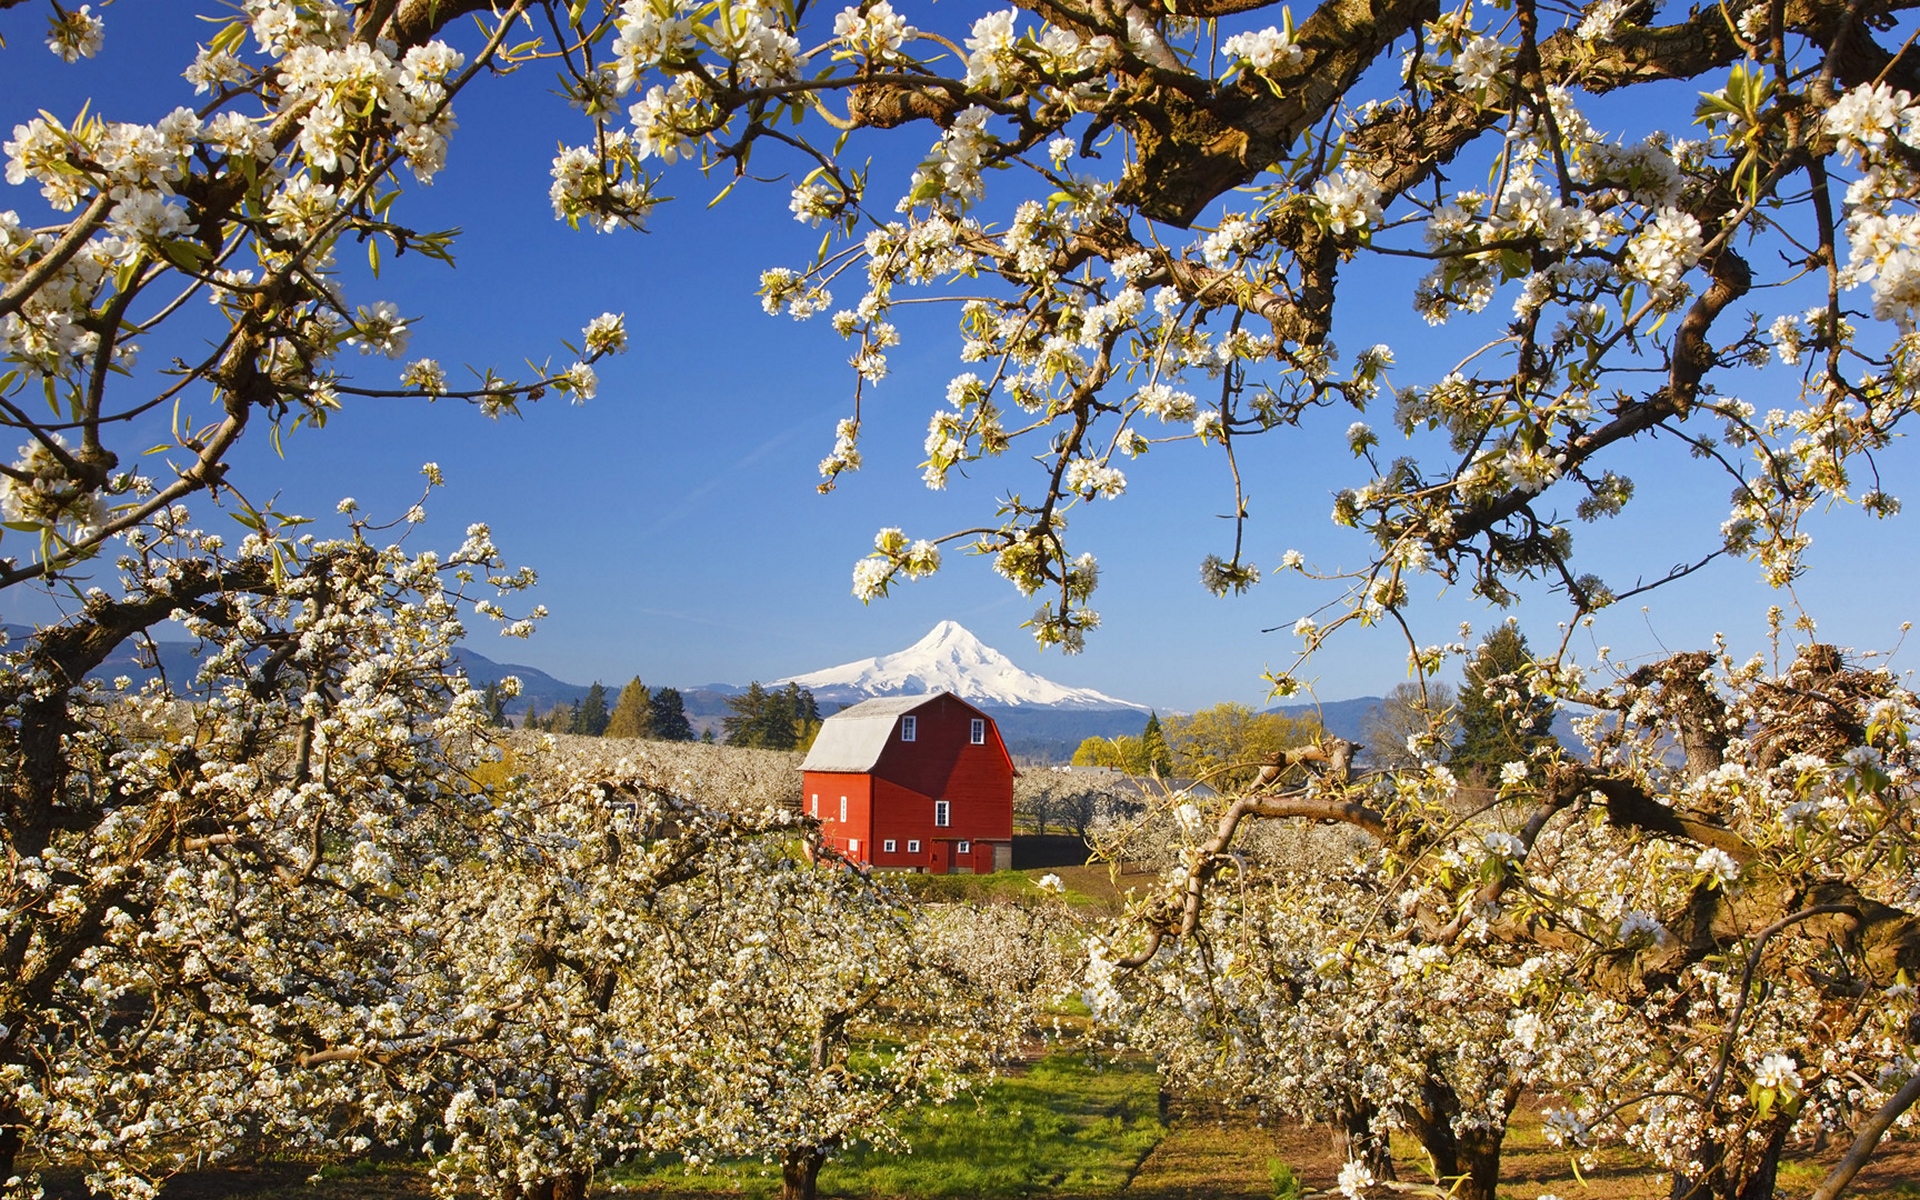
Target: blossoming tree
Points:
(1706, 956)
(1187, 191)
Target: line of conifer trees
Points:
(659, 715)
(785, 719)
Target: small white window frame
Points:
(965, 847)
(913, 845)
(979, 731)
(889, 846)
(909, 728)
(942, 814)
(816, 804)
(853, 847)
(843, 810)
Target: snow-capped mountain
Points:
(949, 659)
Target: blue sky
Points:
(674, 522)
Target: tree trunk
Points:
(568, 1185)
(10, 1139)
(1473, 1157)
(1364, 1144)
(1431, 1124)
(1761, 1178)
(1479, 1160)
(800, 1172)
(1731, 1176)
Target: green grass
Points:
(983, 889)
(1286, 1184)
(1066, 1126)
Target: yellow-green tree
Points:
(1122, 753)
(632, 713)
(1227, 744)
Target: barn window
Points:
(816, 804)
(979, 732)
(913, 845)
(853, 847)
(964, 848)
(843, 808)
(888, 845)
(907, 730)
(940, 813)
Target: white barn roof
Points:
(852, 739)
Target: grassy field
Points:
(1064, 1126)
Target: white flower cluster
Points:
(1347, 201)
(380, 329)
(952, 171)
(1665, 250)
(893, 555)
(1601, 20)
(1094, 478)
(1268, 51)
(47, 488)
(357, 99)
(992, 60)
(76, 33)
(874, 30)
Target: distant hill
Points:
(179, 661)
(1341, 718)
(1038, 718)
(1347, 719)
(1053, 736)
(536, 686)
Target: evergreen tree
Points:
(1502, 720)
(669, 716)
(495, 704)
(590, 715)
(782, 720)
(706, 735)
(1157, 759)
(632, 713)
(561, 719)
(748, 711)
(802, 716)
(531, 718)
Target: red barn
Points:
(913, 783)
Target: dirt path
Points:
(1215, 1152)
(1211, 1151)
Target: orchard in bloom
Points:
(1697, 940)
(1146, 219)
(296, 902)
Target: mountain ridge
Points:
(1032, 726)
(951, 659)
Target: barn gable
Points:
(938, 796)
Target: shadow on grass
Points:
(1065, 1127)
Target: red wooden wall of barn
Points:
(823, 791)
(897, 802)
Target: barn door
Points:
(942, 857)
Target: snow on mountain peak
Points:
(950, 659)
